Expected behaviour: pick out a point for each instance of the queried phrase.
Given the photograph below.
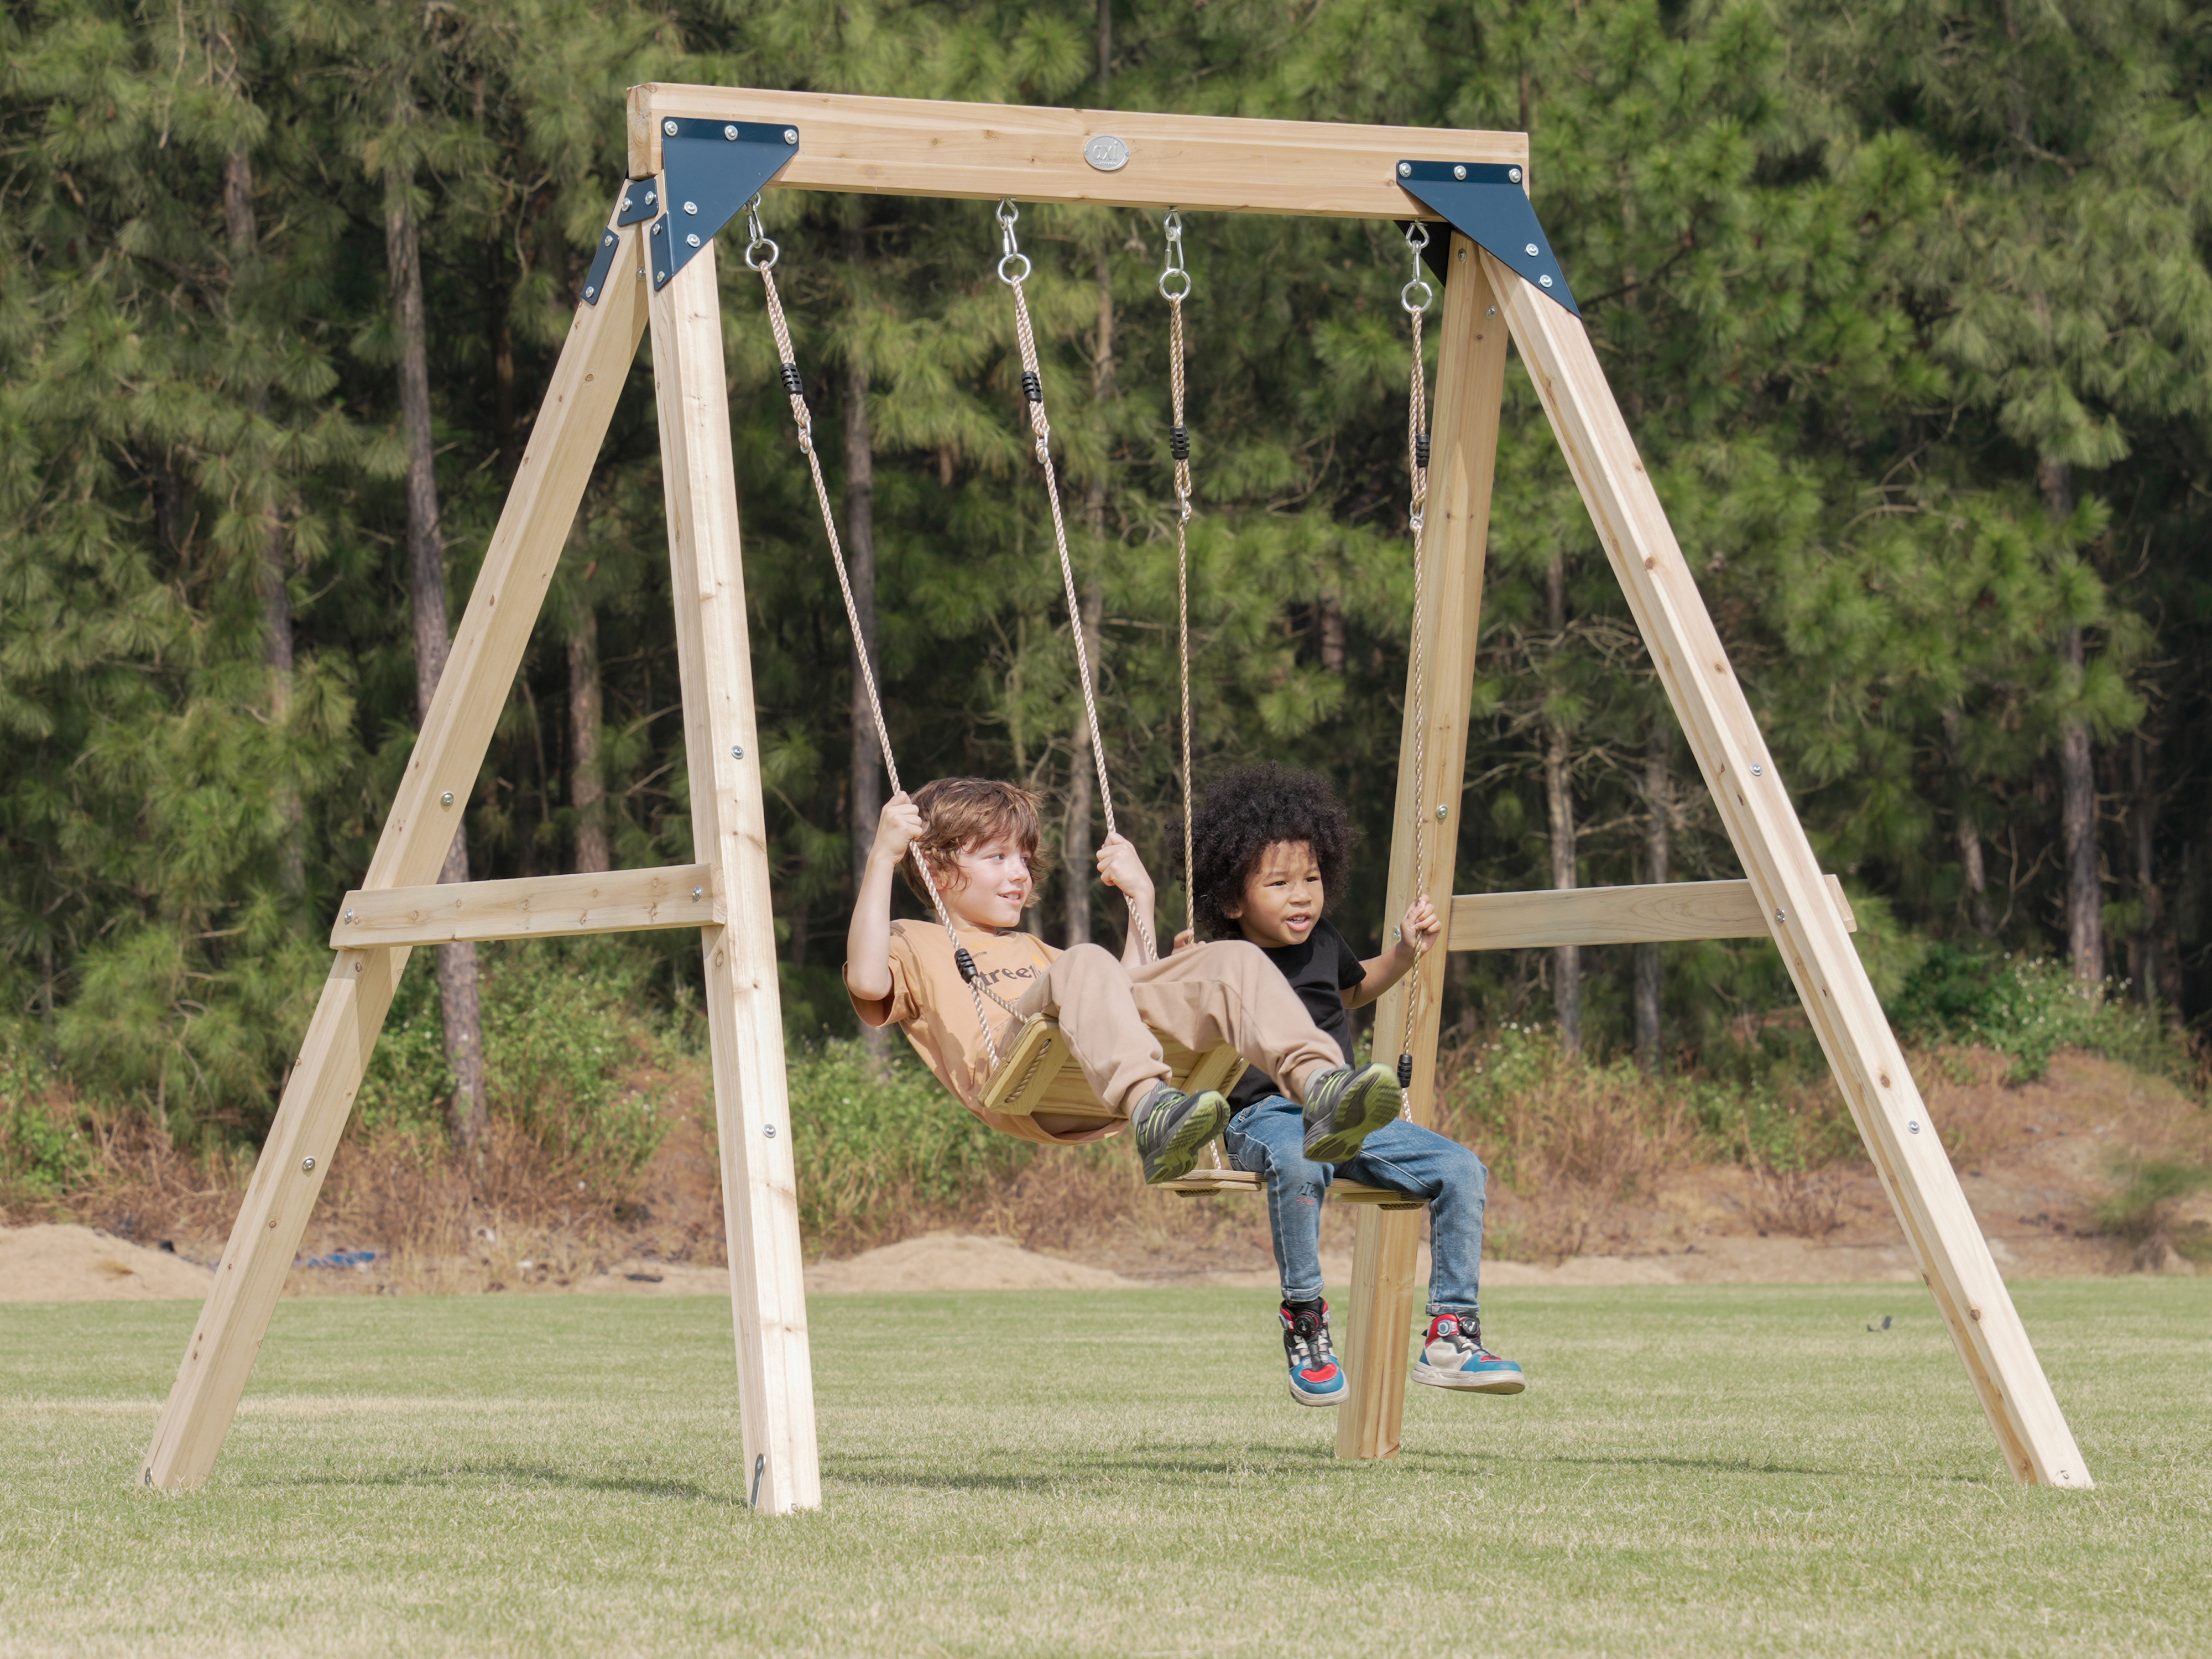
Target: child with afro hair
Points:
(1269, 845)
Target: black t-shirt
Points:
(1320, 971)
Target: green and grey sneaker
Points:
(1344, 1107)
(1173, 1127)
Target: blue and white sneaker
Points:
(1453, 1356)
(1316, 1377)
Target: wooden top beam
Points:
(1207, 163)
(1616, 915)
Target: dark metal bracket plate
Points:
(708, 171)
(1484, 202)
(603, 262)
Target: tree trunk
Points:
(2077, 783)
(1658, 848)
(1559, 807)
(1968, 836)
(2143, 949)
(586, 792)
(866, 792)
(426, 580)
(276, 596)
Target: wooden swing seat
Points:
(1036, 1074)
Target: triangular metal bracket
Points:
(1484, 202)
(708, 171)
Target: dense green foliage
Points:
(1869, 282)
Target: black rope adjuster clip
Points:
(1421, 449)
(1405, 1071)
(1179, 442)
(966, 964)
(1032, 387)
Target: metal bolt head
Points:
(650, 196)
(1782, 915)
(736, 752)
(306, 1166)
(695, 892)
(1490, 312)
(693, 238)
(1544, 281)
(348, 916)
(447, 798)
(589, 292)
(790, 134)
(1459, 172)
(691, 207)
(729, 132)
(1757, 770)
(1405, 169)
(1514, 174)
(1530, 249)
(768, 1129)
(669, 127)
(1441, 810)
(608, 240)
(1914, 1126)
(660, 225)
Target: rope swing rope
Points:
(803, 419)
(1415, 297)
(1179, 448)
(1013, 271)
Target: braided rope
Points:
(1041, 430)
(1417, 462)
(1183, 547)
(803, 420)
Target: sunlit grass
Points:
(1694, 1470)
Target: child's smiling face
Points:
(991, 885)
(1282, 898)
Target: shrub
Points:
(564, 1027)
(43, 1150)
(875, 1149)
(2028, 1008)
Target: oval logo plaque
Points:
(1106, 153)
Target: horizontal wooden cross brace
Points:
(1617, 915)
(534, 907)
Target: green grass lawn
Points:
(1692, 1470)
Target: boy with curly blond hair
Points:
(977, 839)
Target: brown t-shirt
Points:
(932, 1004)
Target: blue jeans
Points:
(1268, 1139)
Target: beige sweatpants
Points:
(1223, 992)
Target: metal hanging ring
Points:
(1417, 238)
(1173, 226)
(1011, 254)
(759, 239)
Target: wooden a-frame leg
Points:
(1839, 1001)
(1463, 447)
(760, 1194)
(586, 382)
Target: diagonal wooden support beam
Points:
(1839, 1001)
(1469, 398)
(1616, 915)
(319, 1097)
(531, 906)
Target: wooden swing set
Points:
(697, 156)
